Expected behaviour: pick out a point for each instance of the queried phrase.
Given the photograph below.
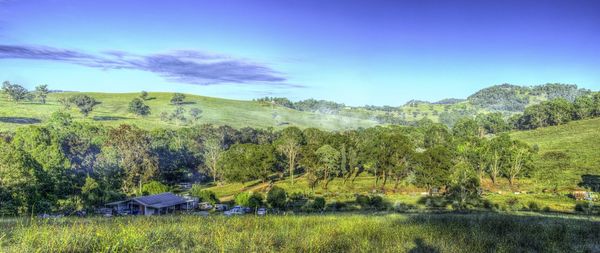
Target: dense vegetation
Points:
(315, 233)
(507, 97)
(65, 164)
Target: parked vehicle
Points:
(261, 211)
(221, 207)
(205, 206)
(237, 210)
(247, 209)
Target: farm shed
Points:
(162, 203)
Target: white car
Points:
(205, 206)
(261, 211)
(235, 211)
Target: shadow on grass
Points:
(422, 247)
(19, 120)
(489, 232)
(109, 118)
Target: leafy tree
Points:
(434, 168)
(242, 198)
(196, 113)
(492, 123)
(464, 184)
(519, 158)
(177, 99)
(134, 154)
(329, 160)
(85, 103)
(15, 92)
(24, 184)
(289, 144)
(154, 187)
(318, 203)
(213, 148)
(137, 107)
(144, 95)
(203, 195)
(466, 128)
(41, 92)
(91, 193)
(277, 198)
(244, 162)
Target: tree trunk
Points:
(292, 161)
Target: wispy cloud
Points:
(184, 66)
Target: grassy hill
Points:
(565, 152)
(236, 113)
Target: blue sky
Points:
(355, 52)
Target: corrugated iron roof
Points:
(160, 200)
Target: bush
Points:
(255, 200)
(363, 201)
(203, 195)
(318, 203)
(154, 187)
(243, 199)
(533, 206)
(277, 198)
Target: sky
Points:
(372, 52)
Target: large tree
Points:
(213, 148)
(84, 103)
(41, 92)
(15, 92)
(329, 163)
(289, 144)
(134, 155)
(137, 107)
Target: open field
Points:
(218, 111)
(314, 233)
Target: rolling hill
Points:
(507, 99)
(113, 110)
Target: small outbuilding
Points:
(162, 203)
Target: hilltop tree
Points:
(196, 113)
(85, 103)
(15, 92)
(41, 92)
(177, 99)
(137, 106)
(144, 95)
(289, 144)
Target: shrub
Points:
(318, 203)
(255, 200)
(243, 198)
(203, 195)
(362, 200)
(277, 197)
(154, 187)
(533, 206)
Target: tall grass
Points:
(327, 233)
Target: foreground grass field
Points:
(316, 233)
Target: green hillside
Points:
(565, 152)
(236, 113)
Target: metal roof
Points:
(160, 200)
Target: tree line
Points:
(70, 165)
